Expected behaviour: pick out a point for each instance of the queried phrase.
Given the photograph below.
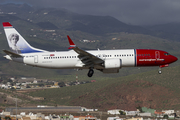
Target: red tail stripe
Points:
(6, 24)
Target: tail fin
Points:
(16, 42)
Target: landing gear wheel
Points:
(90, 73)
(159, 70)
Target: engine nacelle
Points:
(113, 63)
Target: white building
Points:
(168, 112)
(113, 112)
(88, 110)
(114, 118)
(132, 112)
(144, 114)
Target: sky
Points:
(134, 12)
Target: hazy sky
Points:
(136, 12)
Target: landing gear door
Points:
(35, 59)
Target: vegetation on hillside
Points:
(147, 89)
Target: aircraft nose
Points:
(173, 58)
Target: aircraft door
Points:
(35, 59)
(157, 54)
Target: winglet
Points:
(71, 43)
(7, 24)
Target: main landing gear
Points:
(91, 72)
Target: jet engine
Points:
(113, 63)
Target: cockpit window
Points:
(166, 54)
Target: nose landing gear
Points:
(159, 71)
(161, 66)
(91, 72)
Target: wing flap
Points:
(87, 55)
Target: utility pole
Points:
(76, 78)
(16, 107)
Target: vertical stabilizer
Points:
(16, 42)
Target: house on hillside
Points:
(131, 113)
(159, 114)
(88, 110)
(168, 112)
(135, 118)
(114, 112)
(114, 118)
(87, 117)
(117, 112)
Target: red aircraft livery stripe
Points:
(6, 24)
(146, 57)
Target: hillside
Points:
(147, 89)
(168, 31)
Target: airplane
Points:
(106, 61)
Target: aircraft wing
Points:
(12, 54)
(87, 58)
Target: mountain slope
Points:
(147, 89)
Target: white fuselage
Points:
(69, 59)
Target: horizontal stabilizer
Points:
(12, 54)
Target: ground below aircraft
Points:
(106, 61)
